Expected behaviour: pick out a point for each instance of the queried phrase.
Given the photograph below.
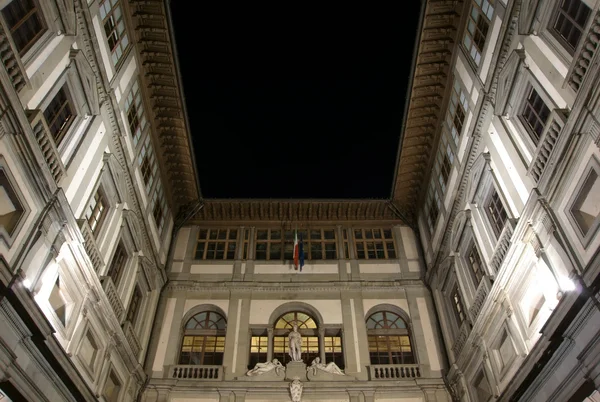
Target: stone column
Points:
(369, 396)
(225, 396)
(354, 396)
(342, 261)
(239, 255)
(269, 344)
(321, 345)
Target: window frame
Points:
(121, 37)
(482, 16)
(68, 102)
(593, 165)
(489, 200)
(204, 238)
(283, 243)
(112, 372)
(97, 229)
(468, 264)
(564, 43)
(37, 9)
(204, 333)
(387, 332)
(382, 240)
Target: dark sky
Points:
(309, 109)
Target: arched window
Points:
(389, 339)
(307, 328)
(203, 339)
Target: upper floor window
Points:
(25, 22)
(97, 210)
(569, 22)
(134, 306)
(114, 28)
(278, 244)
(159, 207)
(496, 212)
(374, 244)
(112, 387)
(135, 113)
(148, 164)
(389, 339)
(477, 28)
(457, 111)
(584, 206)
(457, 305)
(432, 206)
(203, 339)
(444, 162)
(320, 245)
(216, 244)
(59, 114)
(117, 264)
(535, 114)
(475, 264)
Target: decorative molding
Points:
(476, 172)
(527, 15)
(462, 219)
(87, 78)
(66, 10)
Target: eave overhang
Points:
(161, 80)
(240, 210)
(423, 115)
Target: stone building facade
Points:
(477, 280)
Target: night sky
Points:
(294, 110)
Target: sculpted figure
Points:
(329, 367)
(261, 368)
(295, 341)
(296, 390)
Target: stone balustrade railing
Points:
(193, 372)
(132, 339)
(89, 243)
(46, 142)
(482, 292)
(10, 59)
(113, 296)
(546, 144)
(394, 371)
(459, 343)
(584, 55)
(502, 245)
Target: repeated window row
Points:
(278, 244)
(204, 334)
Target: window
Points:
(496, 212)
(504, 350)
(307, 328)
(535, 114)
(457, 111)
(475, 264)
(88, 351)
(432, 206)
(258, 350)
(569, 22)
(458, 306)
(389, 339)
(134, 306)
(147, 163)
(477, 28)
(374, 244)
(246, 243)
(117, 264)
(25, 22)
(585, 206)
(278, 244)
(135, 113)
(443, 163)
(333, 349)
(159, 207)
(11, 209)
(59, 115)
(216, 244)
(97, 210)
(114, 28)
(59, 302)
(204, 339)
(112, 387)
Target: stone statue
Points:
(329, 367)
(296, 390)
(261, 368)
(295, 341)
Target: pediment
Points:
(506, 80)
(527, 15)
(67, 15)
(479, 166)
(87, 78)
